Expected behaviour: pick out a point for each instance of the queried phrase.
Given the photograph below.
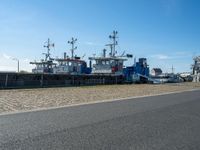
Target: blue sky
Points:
(167, 32)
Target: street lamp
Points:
(17, 63)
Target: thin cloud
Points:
(6, 56)
(26, 60)
(182, 54)
(171, 7)
(176, 55)
(161, 57)
(89, 43)
(8, 64)
(92, 44)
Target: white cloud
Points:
(89, 43)
(26, 60)
(92, 44)
(171, 7)
(174, 55)
(6, 56)
(8, 64)
(161, 56)
(181, 61)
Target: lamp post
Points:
(17, 64)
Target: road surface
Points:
(167, 122)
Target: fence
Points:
(18, 80)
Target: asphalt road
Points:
(167, 122)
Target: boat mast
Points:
(48, 46)
(113, 45)
(173, 69)
(72, 42)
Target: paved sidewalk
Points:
(30, 99)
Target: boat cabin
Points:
(43, 67)
(107, 65)
(69, 66)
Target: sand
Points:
(31, 99)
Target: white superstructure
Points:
(70, 65)
(46, 65)
(111, 64)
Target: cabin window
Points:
(63, 63)
(99, 62)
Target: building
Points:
(156, 72)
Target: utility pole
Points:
(72, 42)
(17, 64)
